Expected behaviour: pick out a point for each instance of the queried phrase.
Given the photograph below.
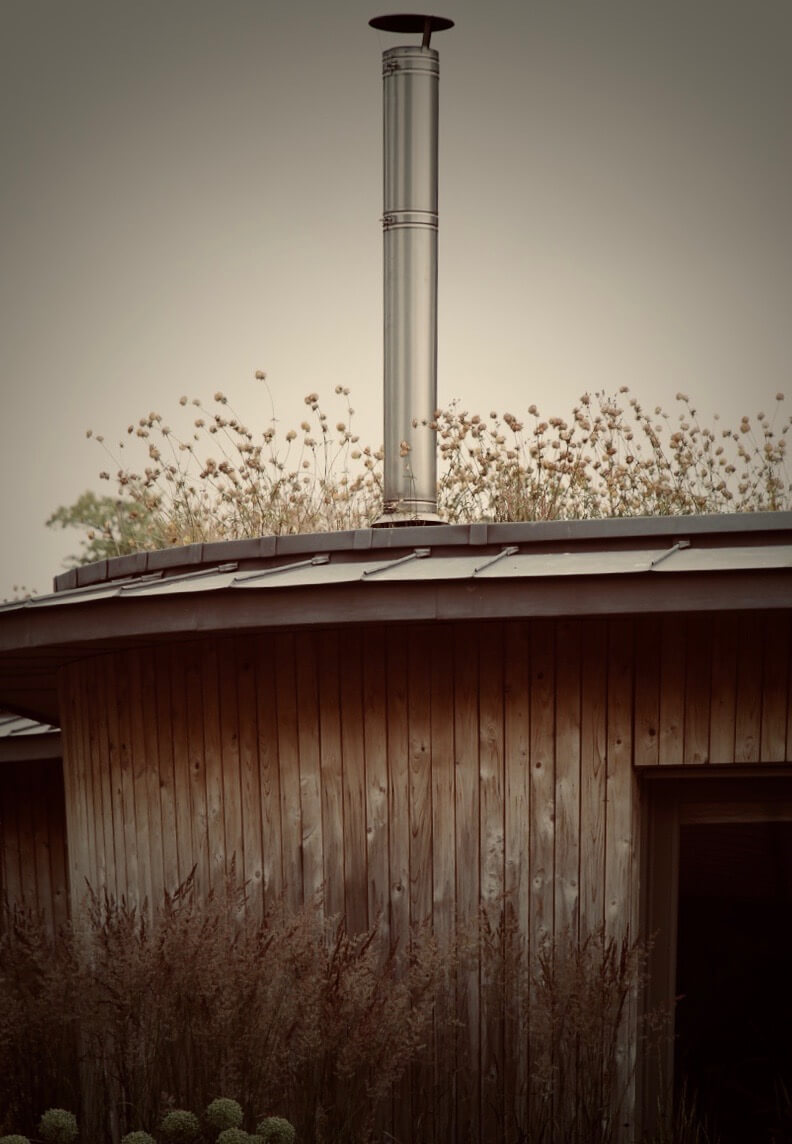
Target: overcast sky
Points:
(191, 191)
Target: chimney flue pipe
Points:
(409, 222)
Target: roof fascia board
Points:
(83, 625)
(31, 748)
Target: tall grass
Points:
(122, 1018)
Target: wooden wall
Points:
(713, 690)
(412, 773)
(33, 855)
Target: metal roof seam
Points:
(510, 550)
(199, 572)
(416, 554)
(260, 573)
(680, 544)
(604, 531)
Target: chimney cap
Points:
(412, 22)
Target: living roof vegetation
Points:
(217, 479)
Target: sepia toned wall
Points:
(412, 774)
(33, 851)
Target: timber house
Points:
(588, 720)
(592, 718)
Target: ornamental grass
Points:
(129, 1021)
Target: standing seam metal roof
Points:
(421, 565)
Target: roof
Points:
(22, 738)
(746, 528)
(407, 574)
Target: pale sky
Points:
(191, 191)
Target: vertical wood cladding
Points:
(413, 774)
(410, 773)
(33, 858)
(712, 690)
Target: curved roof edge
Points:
(606, 531)
(409, 574)
(26, 740)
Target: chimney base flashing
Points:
(402, 517)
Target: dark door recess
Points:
(734, 977)
(718, 878)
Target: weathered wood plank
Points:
(723, 690)
(443, 793)
(249, 774)
(39, 781)
(672, 691)
(177, 670)
(593, 773)
(269, 774)
(698, 698)
(747, 732)
(375, 746)
(140, 765)
(517, 786)
(8, 861)
(229, 754)
(376, 751)
(170, 860)
(775, 684)
(148, 692)
(567, 788)
(466, 749)
(543, 813)
(97, 795)
(11, 885)
(59, 858)
(647, 691)
(354, 784)
(491, 858)
(399, 785)
(289, 755)
(77, 739)
(124, 725)
(620, 850)
(310, 766)
(196, 766)
(97, 768)
(621, 875)
(398, 731)
(107, 717)
(419, 705)
(491, 733)
(443, 859)
(517, 724)
(213, 772)
(542, 840)
(332, 772)
(25, 824)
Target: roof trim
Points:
(27, 740)
(84, 625)
(606, 532)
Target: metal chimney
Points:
(409, 222)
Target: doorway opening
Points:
(733, 1045)
(719, 905)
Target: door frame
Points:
(670, 798)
